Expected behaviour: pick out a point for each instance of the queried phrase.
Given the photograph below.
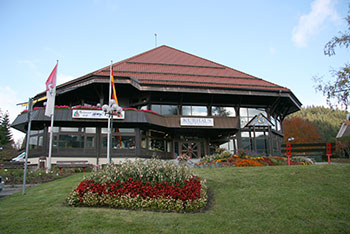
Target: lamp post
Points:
(110, 110)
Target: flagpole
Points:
(30, 107)
(109, 118)
(51, 128)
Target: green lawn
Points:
(297, 199)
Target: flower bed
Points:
(150, 184)
(224, 158)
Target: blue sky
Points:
(279, 41)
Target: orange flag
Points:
(114, 94)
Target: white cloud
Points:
(309, 24)
(8, 101)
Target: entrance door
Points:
(190, 148)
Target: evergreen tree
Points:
(5, 133)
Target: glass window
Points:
(71, 141)
(54, 143)
(194, 110)
(155, 108)
(143, 139)
(34, 132)
(128, 142)
(186, 110)
(144, 108)
(90, 141)
(66, 129)
(244, 121)
(124, 130)
(278, 124)
(169, 110)
(55, 129)
(33, 142)
(243, 111)
(40, 142)
(223, 111)
(168, 148)
(120, 142)
(123, 142)
(199, 111)
(253, 112)
(90, 130)
(157, 144)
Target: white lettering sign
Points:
(94, 114)
(208, 122)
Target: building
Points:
(175, 103)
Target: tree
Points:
(5, 133)
(302, 130)
(327, 121)
(340, 88)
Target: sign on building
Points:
(207, 122)
(94, 114)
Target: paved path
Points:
(11, 189)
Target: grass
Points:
(297, 199)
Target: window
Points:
(231, 145)
(120, 142)
(70, 141)
(165, 109)
(247, 114)
(155, 108)
(90, 130)
(55, 129)
(169, 110)
(90, 142)
(66, 129)
(223, 111)
(143, 139)
(118, 130)
(33, 142)
(245, 141)
(36, 140)
(159, 141)
(194, 110)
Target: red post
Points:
(288, 152)
(329, 152)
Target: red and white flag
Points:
(51, 92)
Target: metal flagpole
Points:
(109, 118)
(30, 106)
(51, 128)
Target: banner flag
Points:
(114, 94)
(51, 92)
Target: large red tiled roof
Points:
(168, 66)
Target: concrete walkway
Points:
(11, 189)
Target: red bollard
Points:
(288, 152)
(329, 152)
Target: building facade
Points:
(174, 103)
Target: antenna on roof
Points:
(155, 40)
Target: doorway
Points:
(190, 148)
